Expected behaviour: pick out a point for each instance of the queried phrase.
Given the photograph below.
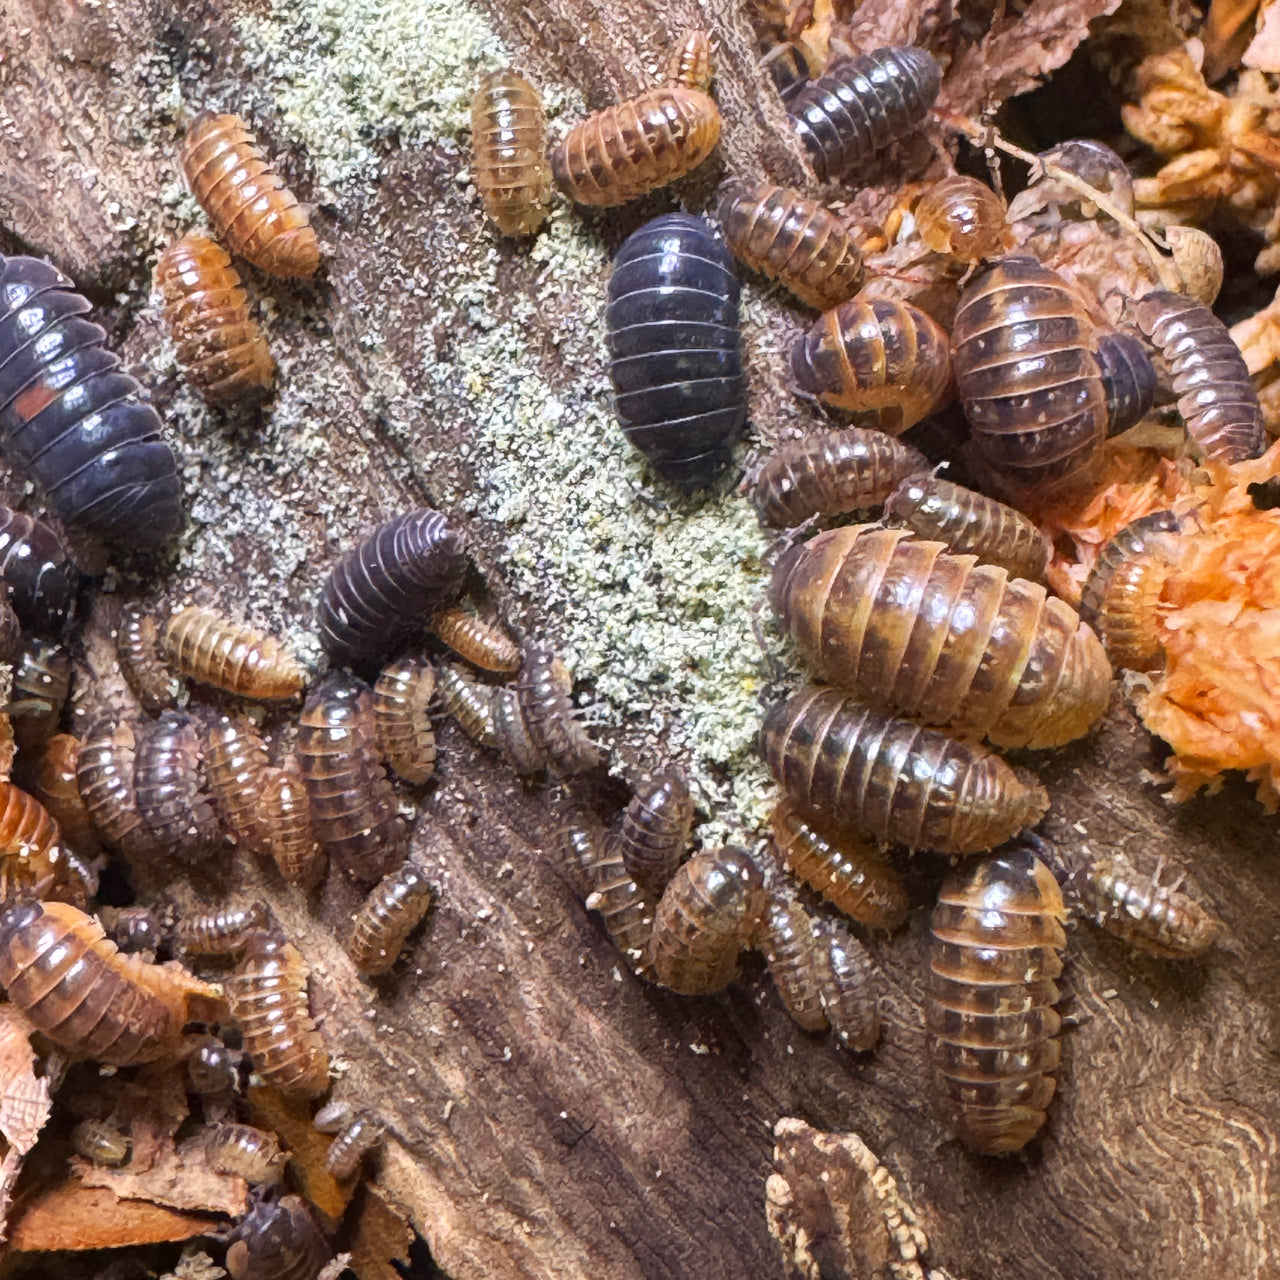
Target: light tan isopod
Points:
(482, 643)
(239, 659)
(509, 134)
(401, 701)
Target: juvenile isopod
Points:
(394, 580)
(72, 983)
(101, 1143)
(245, 1152)
(144, 670)
(223, 932)
(41, 687)
(479, 641)
(969, 523)
(675, 350)
(962, 217)
(848, 985)
(876, 357)
(690, 63)
(231, 656)
(914, 630)
(513, 734)
(787, 940)
(236, 766)
(577, 844)
(135, 930)
(890, 779)
(470, 704)
(509, 135)
(277, 1239)
(654, 831)
(1129, 379)
(246, 200)
(104, 775)
(1198, 258)
(1216, 398)
(211, 1067)
(285, 810)
(219, 344)
(850, 873)
(401, 709)
(394, 908)
(353, 808)
(707, 914)
(792, 239)
(172, 787)
(73, 420)
(57, 789)
(626, 908)
(831, 473)
(861, 105)
(545, 693)
(35, 564)
(992, 1031)
(30, 843)
(347, 1151)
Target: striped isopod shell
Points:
(962, 217)
(402, 720)
(353, 808)
(144, 670)
(1121, 595)
(995, 950)
(101, 1143)
(479, 641)
(236, 765)
(31, 853)
(545, 693)
(861, 105)
(876, 357)
(863, 772)
(394, 908)
(654, 830)
(849, 873)
(914, 630)
(707, 914)
(285, 809)
(637, 146)
(1216, 398)
(35, 564)
(578, 842)
(689, 63)
(41, 687)
(267, 995)
(62, 972)
(848, 986)
(787, 940)
(211, 649)
(277, 1239)
(105, 776)
(56, 788)
(245, 1152)
(509, 137)
(171, 785)
(675, 349)
(969, 523)
(514, 735)
(1129, 378)
(470, 704)
(792, 239)
(394, 580)
(831, 473)
(225, 931)
(1024, 353)
(72, 419)
(220, 346)
(246, 199)
(347, 1151)
(626, 908)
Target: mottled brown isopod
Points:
(348, 1150)
(545, 691)
(172, 787)
(104, 774)
(391, 912)
(690, 61)
(470, 704)
(515, 737)
(138, 652)
(223, 932)
(509, 135)
(962, 217)
(654, 830)
(239, 659)
(482, 643)
(31, 852)
(211, 1067)
(277, 1239)
(245, 1152)
(627, 910)
(401, 708)
(101, 1143)
(578, 842)
(787, 940)
(848, 986)
(236, 765)
(135, 930)
(57, 789)
(285, 809)
(41, 686)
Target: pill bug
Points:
(73, 420)
(675, 349)
(138, 652)
(35, 564)
(245, 1152)
(267, 995)
(787, 940)
(401, 702)
(285, 810)
(30, 844)
(887, 778)
(707, 914)
(1121, 595)
(101, 1143)
(72, 983)
(219, 344)
(211, 1067)
(223, 932)
(480, 642)
(848, 985)
(545, 692)
(509, 136)
(962, 217)
(236, 766)
(577, 844)
(1216, 398)
(353, 808)
(1024, 350)
(849, 873)
(969, 523)
(470, 704)
(831, 473)
(1162, 918)
(792, 239)
(246, 200)
(277, 1239)
(861, 105)
(135, 930)
(41, 687)
(104, 775)
(654, 830)
(393, 581)
(171, 786)
(394, 908)
(877, 357)
(936, 636)
(56, 788)
(626, 908)
(995, 950)
(348, 1150)
(1129, 379)
(213, 650)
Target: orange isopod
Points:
(509, 134)
(30, 843)
(57, 789)
(482, 643)
(402, 718)
(285, 809)
(238, 659)
(963, 217)
(690, 61)
(236, 765)
(391, 912)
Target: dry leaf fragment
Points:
(1225, 34)
(24, 1097)
(179, 1177)
(1263, 53)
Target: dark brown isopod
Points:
(41, 686)
(995, 951)
(516, 740)
(104, 774)
(285, 809)
(848, 985)
(57, 789)
(626, 908)
(135, 930)
(470, 704)
(577, 845)
(401, 708)
(509, 136)
(10, 630)
(232, 656)
(545, 691)
(654, 831)
(211, 1067)
(172, 788)
(391, 912)
(962, 217)
(482, 643)
(35, 564)
(347, 1151)
(1129, 378)
(277, 1239)
(893, 780)
(786, 938)
(101, 1143)
(245, 1152)
(223, 932)
(236, 765)
(138, 652)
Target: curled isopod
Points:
(1129, 378)
(172, 787)
(245, 1152)
(401, 708)
(239, 659)
(41, 687)
(35, 564)
(277, 1239)
(962, 217)
(348, 1150)
(285, 810)
(509, 136)
(1199, 261)
(57, 788)
(394, 908)
(545, 693)
(236, 765)
(848, 985)
(470, 704)
(144, 670)
(101, 1143)
(787, 939)
(479, 641)
(223, 932)
(654, 831)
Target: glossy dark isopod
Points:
(223, 932)
(545, 693)
(232, 656)
(1129, 378)
(144, 670)
(101, 1143)
(41, 686)
(992, 1031)
(245, 1152)
(172, 789)
(509, 137)
(402, 717)
(848, 986)
(860, 106)
(394, 580)
(104, 774)
(392, 911)
(675, 349)
(56, 788)
(1216, 398)
(347, 1151)
(35, 564)
(654, 831)
(211, 1067)
(135, 930)
(73, 420)
(277, 1239)
(786, 938)
(626, 908)
(887, 778)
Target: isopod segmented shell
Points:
(285, 809)
(470, 704)
(545, 692)
(690, 61)
(391, 912)
(654, 830)
(626, 908)
(101, 1143)
(138, 652)
(401, 710)
(848, 984)
(479, 641)
(135, 930)
(348, 1150)
(578, 842)
(245, 1152)
(787, 940)
(228, 655)
(171, 786)
(1129, 379)
(211, 1067)
(105, 777)
(31, 853)
(223, 932)
(509, 136)
(41, 687)
(236, 765)
(277, 1239)
(962, 217)
(35, 564)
